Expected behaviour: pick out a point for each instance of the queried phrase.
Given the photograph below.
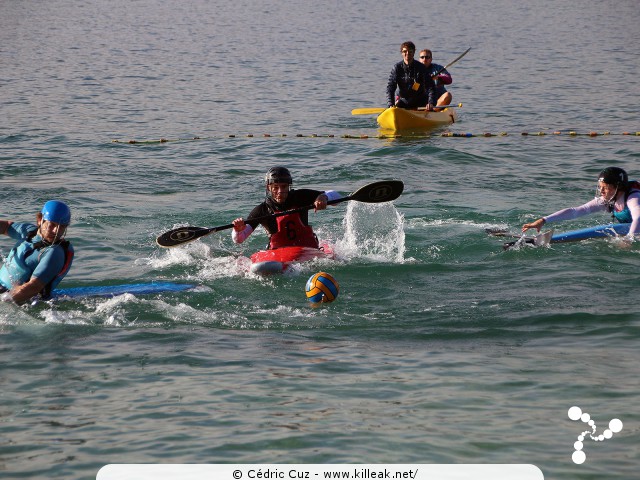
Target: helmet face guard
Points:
(612, 198)
(57, 212)
(615, 177)
(277, 175)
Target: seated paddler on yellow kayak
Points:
(411, 79)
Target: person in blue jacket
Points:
(41, 256)
(412, 80)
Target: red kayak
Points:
(267, 262)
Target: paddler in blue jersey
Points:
(614, 194)
(412, 80)
(41, 256)
(284, 230)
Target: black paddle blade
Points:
(182, 235)
(498, 232)
(526, 241)
(378, 192)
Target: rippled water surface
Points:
(441, 348)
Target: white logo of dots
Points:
(575, 414)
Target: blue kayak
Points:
(600, 231)
(542, 239)
(114, 290)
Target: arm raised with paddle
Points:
(377, 192)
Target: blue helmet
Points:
(56, 211)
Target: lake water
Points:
(441, 347)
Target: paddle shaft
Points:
(378, 110)
(450, 63)
(284, 212)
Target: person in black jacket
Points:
(412, 80)
(288, 230)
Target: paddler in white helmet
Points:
(615, 194)
(41, 256)
(285, 230)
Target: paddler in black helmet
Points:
(285, 230)
(614, 194)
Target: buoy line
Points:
(556, 133)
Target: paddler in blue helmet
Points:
(614, 194)
(41, 256)
(284, 230)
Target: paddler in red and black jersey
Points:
(285, 230)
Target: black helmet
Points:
(614, 176)
(278, 175)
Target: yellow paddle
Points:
(377, 110)
(367, 111)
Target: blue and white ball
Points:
(321, 288)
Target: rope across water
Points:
(391, 136)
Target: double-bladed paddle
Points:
(376, 110)
(377, 192)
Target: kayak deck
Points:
(395, 119)
(268, 262)
(610, 230)
(115, 290)
(600, 231)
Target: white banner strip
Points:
(319, 472)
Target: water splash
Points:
(373, 231)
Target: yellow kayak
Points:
(395, 119)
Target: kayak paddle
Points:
(540, 240)
(377, 192)
(368, 111)
(376, 110)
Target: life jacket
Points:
(68, 260)
(23, 273)
(624, 215)
(292, 233)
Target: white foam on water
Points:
(374, 232)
